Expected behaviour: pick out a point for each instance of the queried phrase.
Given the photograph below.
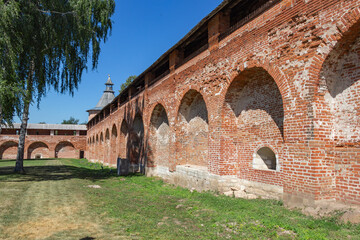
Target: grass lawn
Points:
(53, 201)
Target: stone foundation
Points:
(199, 179)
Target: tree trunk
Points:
(19, 166)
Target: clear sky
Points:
(142, 31)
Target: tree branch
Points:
(55, 12)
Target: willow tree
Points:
(58, 38)
(10, 45)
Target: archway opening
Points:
(65, 150)
(136, 143)
(113, 148)
(255, 103)
(107, 150)
(8, 150)
(38, 149)
(124, 133)
(159, 138)
(193, 124)
(253, 115)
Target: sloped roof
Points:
(107, 97)
(51, 126)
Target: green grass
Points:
(52, 201)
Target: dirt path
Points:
(50, 206)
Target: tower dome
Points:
(107, 97)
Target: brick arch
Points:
(184, 93)
(252, 115)
(101, 147)
(114, 132)
(336, 97)
(158, 145)
(153, 106)
(8, 150)
(278, 76)
(135, 144)
(192, 125)
(101, 137)
(113, 145)
(107, 149)
(344, 25)
(250, 76)
(65, 149)
(36, 149)
(123, 139)
(338, 83)
(107, 135)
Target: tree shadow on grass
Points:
(57, 173)
(28, 160)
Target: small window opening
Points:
(265, 159)
(38, 156)
(74, 133)
(17, 132)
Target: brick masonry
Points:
(288, 80)
(43, 146)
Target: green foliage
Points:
(58, 37)
(71, 120)
(128, 81)
(10, 46)
(50, 43)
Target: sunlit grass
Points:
(137, 207)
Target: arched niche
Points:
(340, 83)
(159, 138)
(113, 147)
(123, 139)
(136, 141)
(8, 150)
(252, 115)
(254, 105)
(114, 133)
(265, 159)
(193, 135)
(65, 149)
(38, 150)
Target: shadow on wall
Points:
(339, 69)
(255, 99)
(158, 148)
(193, 125)
(8, 150)
(133, 137)
(340, 83)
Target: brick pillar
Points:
(148, 77)
(130, 92)
(175, 58)
(217, 25)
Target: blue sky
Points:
(142, 31)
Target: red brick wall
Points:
(287, 80)
(45, 146)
